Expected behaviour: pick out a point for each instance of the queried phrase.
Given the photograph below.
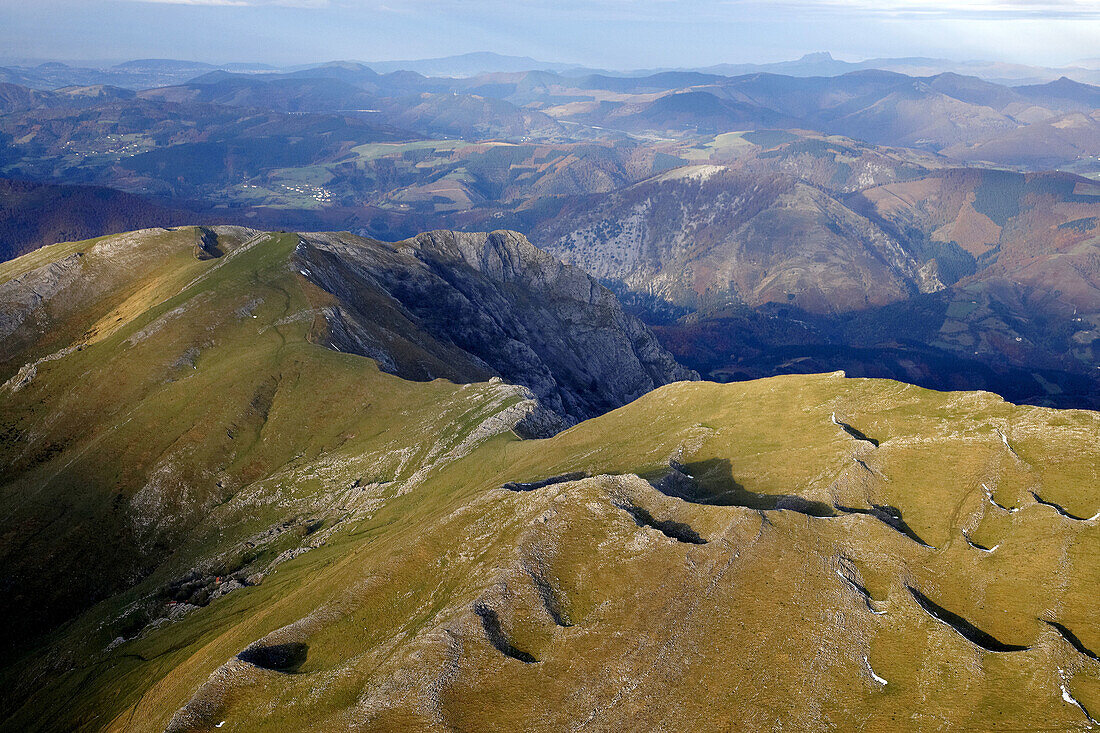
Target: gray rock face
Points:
(706, 237)
(467, 307)
(23, 315)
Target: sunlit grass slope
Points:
(799, 553)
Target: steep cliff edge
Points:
(158, 387)
(472, 306)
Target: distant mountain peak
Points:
(163, 65)
(351, 65)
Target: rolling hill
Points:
(301, 140)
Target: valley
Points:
(866, 212)
(481, 393)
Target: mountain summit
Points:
(219, 519)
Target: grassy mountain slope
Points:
(118, 479)
(254, 532)
(124, 328)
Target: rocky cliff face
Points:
(707, 236)
(177, 352)
(469, 307)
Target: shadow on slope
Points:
(712, 482)
(967, 630)
(286, 658)
(490, 621)
(902, 341)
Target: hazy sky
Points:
(607, 33)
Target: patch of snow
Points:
(1071, 700)
(1004, 439)
(989, 495)
(877, 679)
(979, 547)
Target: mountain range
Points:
(763, 223)
(144, 73)
(219, 518)
(479, 393)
